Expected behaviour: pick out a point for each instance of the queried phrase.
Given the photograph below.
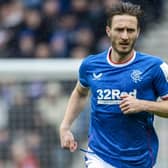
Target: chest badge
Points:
(136, 76)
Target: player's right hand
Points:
(67, 140)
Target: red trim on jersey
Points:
(125, 61)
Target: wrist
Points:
(144, 106)
(147, 106)
(65, 126)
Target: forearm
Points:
(75, 105)
(159, 108)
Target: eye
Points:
(119, 29)
(130, 30)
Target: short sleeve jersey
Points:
(123, 140)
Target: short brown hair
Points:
(122, 8)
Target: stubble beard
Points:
(123, 53)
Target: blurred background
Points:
(32, 107)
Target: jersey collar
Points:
(122, 64)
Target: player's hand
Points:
(130, 104)
(67, 140)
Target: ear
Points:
(108, 31)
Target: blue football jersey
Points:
(124, 141)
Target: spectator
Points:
(48, 141)
(26, 45)
(22, 156)
(59, 24)
(4, 147)
(53, 102)
(59, 46)
(42, 51)
(20, 114)
(79, 52)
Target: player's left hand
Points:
(130, 104)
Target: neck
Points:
(120, 58)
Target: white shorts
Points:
(93, 161)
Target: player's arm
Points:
(130, 104)
(75, 105)
(159, 108)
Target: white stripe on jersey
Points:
(164, 68)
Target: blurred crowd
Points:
(60, 28)
(30, 112)
(30, 116)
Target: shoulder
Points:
(149, 58)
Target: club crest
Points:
(136, 76)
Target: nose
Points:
(124, 35)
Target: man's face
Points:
(123, 33)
